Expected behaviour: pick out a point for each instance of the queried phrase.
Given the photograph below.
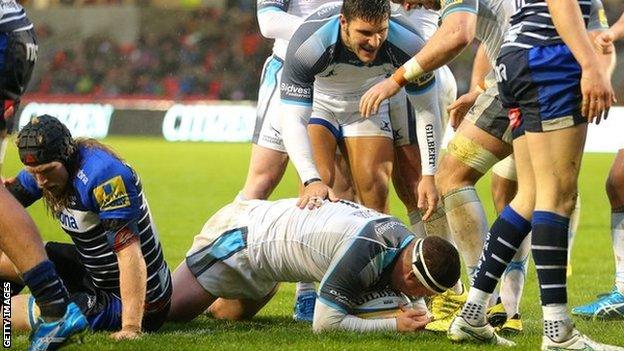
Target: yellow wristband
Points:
(412, 70)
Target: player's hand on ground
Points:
(427, 196)
(458, 109)
(410, 320)
(314, 194)
(126, 334)
(370, 101)
(598, 95)
(604, 41)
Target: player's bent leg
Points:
(371, 165)
(615, 192)
(504, 183)
(505, 236)
(324, 144)
(239, 309)
(556, 158)
(189, 299)
(266, 169)
(343, 183)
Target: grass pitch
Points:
(187, 182)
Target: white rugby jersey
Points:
(298, 8)
(492, 20)
(427, 21)
(349, 248)
(13, 17)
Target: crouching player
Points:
(115, 270)
(237, 261)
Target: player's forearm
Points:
(618, 28)
(428, 128)
(568, 20)
(327, 318)
(132, 285)
(278, 24)
(294, 123)
(456, 32)
(480, 69)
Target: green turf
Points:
(186, 182)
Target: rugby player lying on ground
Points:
(247, 248)
(115, 270)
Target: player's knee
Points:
(614, 187)
(454, 174)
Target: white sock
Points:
(416, 224)
(557, 323)
(617, 234)
(438, 225)
(512, 281)
(303, 288)
(468, 224)
(474, 309)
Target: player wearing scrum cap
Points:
(115, 270)
(242, 253)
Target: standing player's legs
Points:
(612, 305)
(266, 169)
(268, 156)
(471, 153)
(371, 160)
(505, 315)
(502, 242)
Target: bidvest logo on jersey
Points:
(381, 228)
(296, 91)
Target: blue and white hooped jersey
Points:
(105, 188)
(532, 24)
(318, 61)
(13, 17)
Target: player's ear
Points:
(343, 21)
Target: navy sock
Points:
(549, 246)
(48, 290)
(501, 244)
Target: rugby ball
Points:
(380, 304)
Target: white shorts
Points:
(343, 119)
(268, 131)
(506, 168)
(219, 257)
(404, 121)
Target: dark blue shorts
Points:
(18, 54)
(102, 308)
(541, 88)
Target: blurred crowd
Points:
(213, 54)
